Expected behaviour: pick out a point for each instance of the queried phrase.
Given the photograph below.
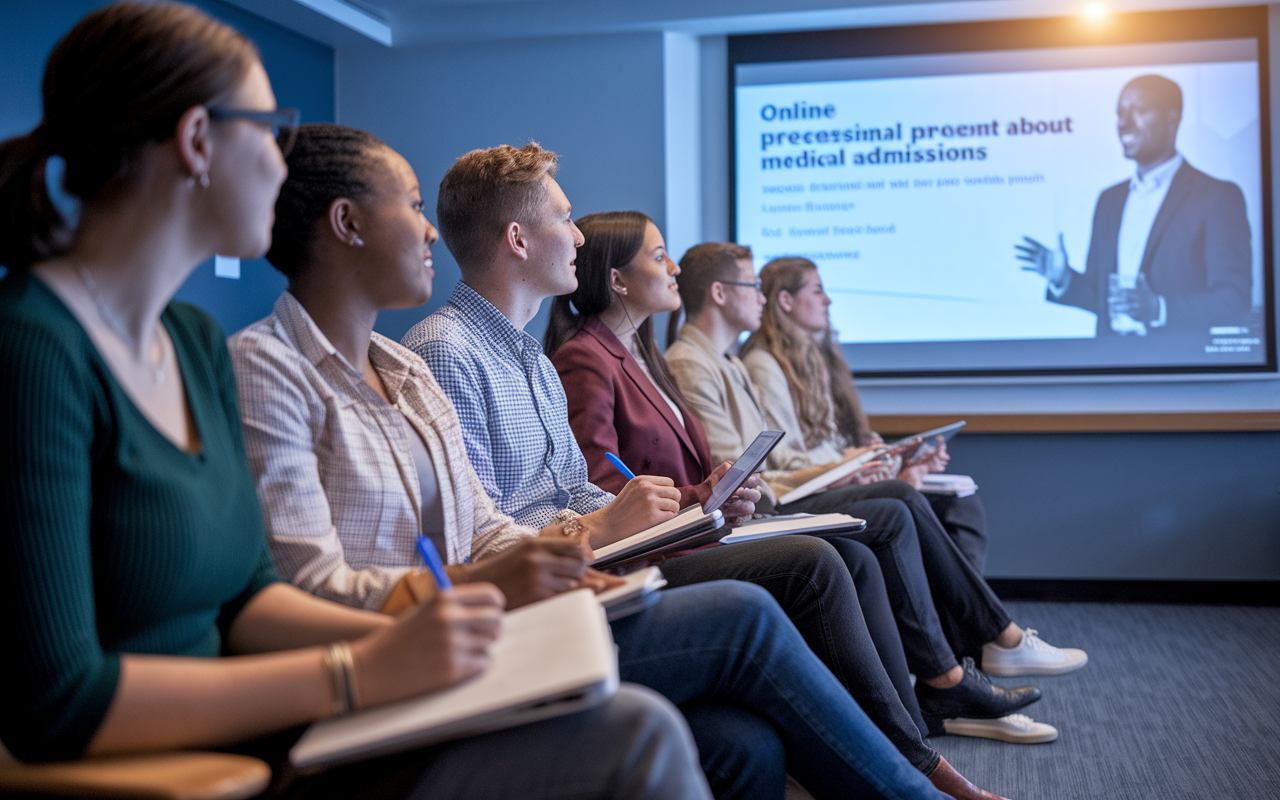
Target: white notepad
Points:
(636, 585)
(686, 523)
(854, 464)
(830, 476)
(946, 483)
(554, 657)
(812, 524)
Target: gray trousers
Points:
(634, 747)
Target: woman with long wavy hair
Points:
(795, 362)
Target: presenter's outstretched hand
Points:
(442, 641)
(645, 501)
(1049, 264)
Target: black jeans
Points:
(965, 520)
(814, 585)
(944, 608)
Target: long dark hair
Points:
(325, 162)
(122, 77)
(818, 377)
(613, 239)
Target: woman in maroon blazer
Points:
(621, 398)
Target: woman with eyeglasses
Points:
(132, 553)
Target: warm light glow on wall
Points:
(1095, 13)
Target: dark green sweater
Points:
(112, 539)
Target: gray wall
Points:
(1072, 506)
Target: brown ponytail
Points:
(33, 229)
(122, 77)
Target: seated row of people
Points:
(355, 449)
(134, 535)
(622, 398)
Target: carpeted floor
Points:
(1175, 702)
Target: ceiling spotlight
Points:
(1095, 12)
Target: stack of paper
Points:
(637, 592)
(812, 524)
(689, 528)
(942, 483)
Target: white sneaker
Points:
(1032, 656)
(1016, 728)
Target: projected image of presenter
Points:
(1170, 246)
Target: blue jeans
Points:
(728, 642)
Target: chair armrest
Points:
(160, 776)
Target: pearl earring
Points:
(204, 180)
(356, 241)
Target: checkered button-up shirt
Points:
(513, 410)
(333, 464)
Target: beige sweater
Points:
(719, 391)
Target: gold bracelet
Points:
(341, 677)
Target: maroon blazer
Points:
(615, 408)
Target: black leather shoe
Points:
(974, 697)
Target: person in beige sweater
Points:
(941, 600)
(806, 389)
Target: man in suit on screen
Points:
(1170, 247)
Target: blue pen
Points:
(617, 462)
(427, 549)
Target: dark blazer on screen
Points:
(615, 408)
(1198, 255)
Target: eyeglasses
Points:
(755, 284)
(283, 122)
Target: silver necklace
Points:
(104, 311)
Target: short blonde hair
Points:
(486, 190)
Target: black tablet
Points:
(747, 465)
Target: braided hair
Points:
(325, 163)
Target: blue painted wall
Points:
(301, 73)
(1136, 505)
(595, 100)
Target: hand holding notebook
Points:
(552, 658)
(693, 526)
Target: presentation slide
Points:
(1017, 210)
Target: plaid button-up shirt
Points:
(513, 410)
(332, 460)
